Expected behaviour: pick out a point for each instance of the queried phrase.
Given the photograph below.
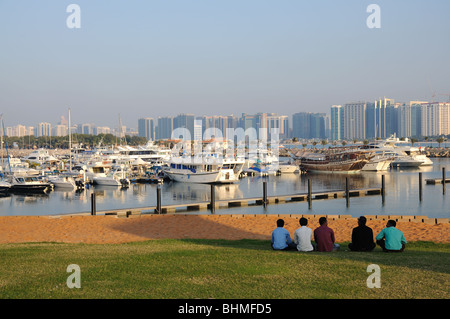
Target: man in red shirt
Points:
(324, 237)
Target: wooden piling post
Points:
(443, 180)
(383, 187)
(213, 198)
(93, 205)
(347, 192)
(420, 186)
(265, 192)
(309, 193)
(158, 199)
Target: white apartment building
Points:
(435, 119)
(355, 120)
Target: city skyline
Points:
(356, 120)
(155, 59)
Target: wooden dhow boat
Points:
(334, 162)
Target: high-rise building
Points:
(185, 121)
(309, 125)
(44, 129)
(301, 125)
(164, 128)
(60, 130)
(435, 119)
(337, 122)
(355, 120)
(281, 122)
(146, 128)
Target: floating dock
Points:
(240, 202)
(434, 181)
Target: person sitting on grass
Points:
(281, 240)
(391, 238)
(324, 237)
(303, 236)
(362, 237)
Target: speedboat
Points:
(29, 184)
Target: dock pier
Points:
(240, 202)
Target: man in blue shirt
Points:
(281, 240)
(391, 238)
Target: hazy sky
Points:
(155, 58)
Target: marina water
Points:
(402, 195)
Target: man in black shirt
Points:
(362, 237)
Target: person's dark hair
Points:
(362, 220)
(392, 222)
(322, 220)
(280, 223)
(303, 221)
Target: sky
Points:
(150, 58)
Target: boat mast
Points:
(70, 145)
(6, 145)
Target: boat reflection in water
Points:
(182, 192)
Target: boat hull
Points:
(334, 167)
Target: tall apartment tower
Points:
(337, 122)
(355, 120)
(165, 128)
(146, 128)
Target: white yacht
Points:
(204, 169)
(40, 156)
(405, 155)
(115, 177)
(66, 182)
(382, 161)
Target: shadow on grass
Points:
(418, 255)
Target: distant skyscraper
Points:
(165, 127)
(146, 128)
(281, 122)
(185, 121)
(301, 124)
(435, 119)
(44, 129)
(309, 125)
(355, 120)
(337, 122)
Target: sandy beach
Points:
(112, 229)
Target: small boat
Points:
(287, 168)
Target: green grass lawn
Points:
(244, 269)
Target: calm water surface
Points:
(402, 195)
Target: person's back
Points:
(324, 237)
(303, 236)
(362, 237)
(281, 240)
(394, 240)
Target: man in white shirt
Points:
(303, 236)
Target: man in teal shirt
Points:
(391, 238)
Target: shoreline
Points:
(104, 229)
